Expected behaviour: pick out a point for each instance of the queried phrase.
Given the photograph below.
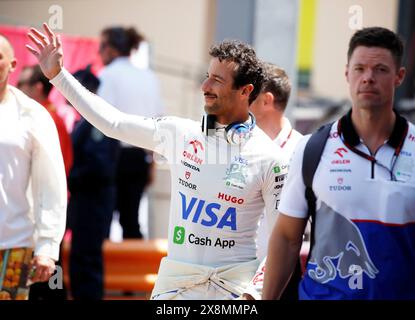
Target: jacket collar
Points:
(350, 135)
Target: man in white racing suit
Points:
(223, 174)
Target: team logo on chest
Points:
(236, 175)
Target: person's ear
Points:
(346, 73)
(13, 64)
(268, 98)
(400, 76)
(246, 90)
(113, 53)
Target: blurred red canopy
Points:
(78, 53)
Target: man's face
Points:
(25, 85)
(373, 76)
(7, 62)
(220, 96)
(105, 51)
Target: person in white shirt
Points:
(30, 160)
(222, 173)
(133, 91)
(268, 109)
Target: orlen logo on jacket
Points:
(197, 146)
(340, 152)
(208, 214)
(229, 198)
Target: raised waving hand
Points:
(49, 50)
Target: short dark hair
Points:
(277, 83)
(122, 39)
(87, 78)
(38, 76)
(378, 37)
(249, 69)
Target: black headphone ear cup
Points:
(204, 129)
(233, 130)
(208, 123)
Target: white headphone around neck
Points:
(235, 133)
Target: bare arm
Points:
(283, 250)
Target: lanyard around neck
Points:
(371, 158)
(286, 140)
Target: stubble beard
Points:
(212, 109)
(371, 105)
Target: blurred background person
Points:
(133, 91)
(33, 83)
(269, 108)
(32, 186)
(92, 187)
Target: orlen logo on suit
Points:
(197, 146)
(192, 157)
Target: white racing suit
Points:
(218, 190)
